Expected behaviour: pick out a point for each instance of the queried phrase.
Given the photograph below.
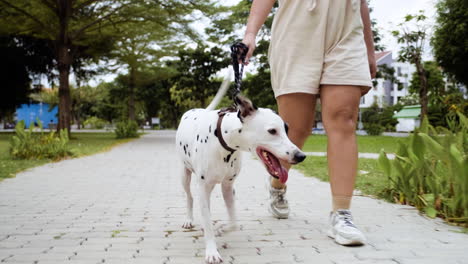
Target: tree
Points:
(413, 36)
(449, 40)
(195, 82)
(435, 82)
(141, 46)
(22, 58)
(70, 26)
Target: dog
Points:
(209, 143)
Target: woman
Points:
(320, 48)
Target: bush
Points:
(378, 120)
(95, 123)
(373, 129)
(431, 171)
(126, 129)
(26, 144)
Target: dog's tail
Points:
(221, 92)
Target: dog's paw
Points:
(213, 257)
(188, 224)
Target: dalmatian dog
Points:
(209, 143)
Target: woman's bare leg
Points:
(340, 106)
(298, 110)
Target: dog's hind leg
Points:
(229, 199)
(186, 179)
(211, 252)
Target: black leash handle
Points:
(238, 53)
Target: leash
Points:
(238, 52)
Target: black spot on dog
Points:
(231, 179)
(209, 129)
(234, 175)
(185, 149)
(189, 154)
(250, 149)
(240, 131)
(225, 131)
(206, 140)
(195, 118)
(198, 137)
(287, 152)
(196, 150)
(228, 157)
(232, 163)
(202, 177)
(237, 147)
(181, 143)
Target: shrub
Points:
(430, 171)
(95, 122)
(126, 129)
(26, 144)
(373, 129)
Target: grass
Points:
(369, 144)
(82, 144)
(370, 179)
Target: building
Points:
(386, 92)
(408, 118)
(31, 113)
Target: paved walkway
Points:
(127, 206)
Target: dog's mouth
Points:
(272, 164)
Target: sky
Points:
(388, 13)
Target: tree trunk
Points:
(64, 60)
(131, 94)
(423, 100)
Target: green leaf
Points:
(430, 211)
(385, 163)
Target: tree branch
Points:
(35, 19)
(81, 30)
(85, 4)
(50, 5)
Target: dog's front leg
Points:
(211, 252)
(229, 200)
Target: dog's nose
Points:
(299, 156)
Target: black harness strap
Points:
(219, 133)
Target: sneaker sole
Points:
(345, 241)
(277, 215)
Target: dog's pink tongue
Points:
(283, 175)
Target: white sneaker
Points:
(343, 229)
(279, 206)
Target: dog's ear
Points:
(245, 106)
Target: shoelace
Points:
(347, 218)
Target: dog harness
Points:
(218, 132)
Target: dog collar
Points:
(218, 132)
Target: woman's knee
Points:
(341, 120)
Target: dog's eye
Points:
(272, 131)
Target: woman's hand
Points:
(372, 64)
(249, 41)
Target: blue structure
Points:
(30, 113)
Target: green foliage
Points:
(126, 129)
(431, 171)
(449, 40)
(378, 120)
(95, 123)
(26, 144)
(373, 129)
(435, 82)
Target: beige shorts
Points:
(318, 42)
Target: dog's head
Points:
(264, 133)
